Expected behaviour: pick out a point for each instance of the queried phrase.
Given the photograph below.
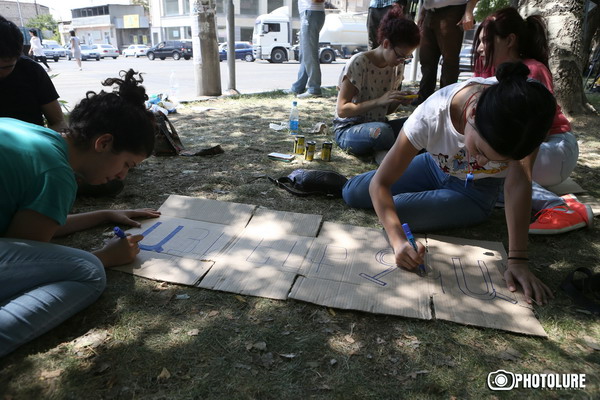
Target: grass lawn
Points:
(140, 342)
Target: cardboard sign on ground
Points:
(243, 249)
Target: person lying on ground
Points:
(41, 283)
(480, 135)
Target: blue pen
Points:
(119, 232)
(411, 240)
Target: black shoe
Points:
(109, 189)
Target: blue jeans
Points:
(41, 285)
(365, 138)
(428, 199)
(310, 68)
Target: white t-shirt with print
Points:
(430, 127)
(372, 82)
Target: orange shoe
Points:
(582, 209)
(555, 220)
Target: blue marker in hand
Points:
(119, 232)
(411, 240)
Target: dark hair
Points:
(397, 29)
(532, 38)
(515, 115)
(121, 113)
(72, 32)
(11, 44)
(33, 31)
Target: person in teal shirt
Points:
(41, 283)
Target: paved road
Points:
(254, 77)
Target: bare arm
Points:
(392, 168)
(517, 199)
(31, 225)
(346, 108)
(468, 20)
(54, 116)
(79, 222)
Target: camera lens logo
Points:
(501, 380)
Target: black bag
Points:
(302, 182)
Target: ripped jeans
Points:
(366, 138)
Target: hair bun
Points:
(512, 70)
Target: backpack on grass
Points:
(303, 182)
(167, 142)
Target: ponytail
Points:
(121, 113)
(515, 115)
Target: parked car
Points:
(54, 51)
(136, 50)
(106, 50)
(87, 52)
(171, 48)
(243, 51)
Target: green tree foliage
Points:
(45, 23)
(486, 7)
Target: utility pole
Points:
(207, 72)
(231, 47)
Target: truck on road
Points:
(342, 36)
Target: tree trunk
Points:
(207, 71)
(564, 19)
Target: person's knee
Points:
(383, 137)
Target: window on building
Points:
(246, 34)
(249, 7)
(188, 32)
(171, 7)
(173, 33)
(274, 4)
(220, 4)
(186, 7)
(89, 12)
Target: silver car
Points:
(54, 51)
(87, 52)
(106, 50)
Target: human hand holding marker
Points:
(411, 239)
(120, 251)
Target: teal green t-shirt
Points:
(35, 173)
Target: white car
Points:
(54, 51)
(136, 50)
(106, 50)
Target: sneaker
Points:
(289, 91)
(306, 95)
(583, 210)
(552, 221)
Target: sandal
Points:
(585, 291)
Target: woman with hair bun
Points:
(369, 88)
(42, 284)
(479, 134)
(505, 36)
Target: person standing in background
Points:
(442, 25)
(36, 50)
(75, 48)
(312, 18)
(377, 9)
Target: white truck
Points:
(342, 35)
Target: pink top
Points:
(539, 72)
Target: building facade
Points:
(116, 24)
(171, 18)
(20, 13)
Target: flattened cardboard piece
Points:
(590, 201)
(565, 187)
(470, 288)
(266, 257)
(176, 249)
(350, 267)
(215, 211)
(167, 268)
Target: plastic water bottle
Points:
(294, 128)
(173, 86)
